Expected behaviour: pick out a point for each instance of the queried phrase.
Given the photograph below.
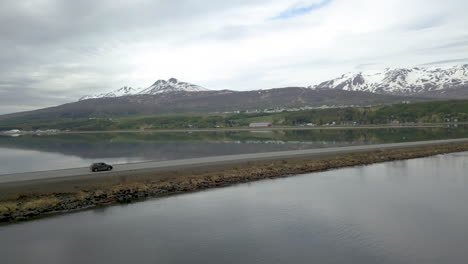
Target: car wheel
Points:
(94, 170)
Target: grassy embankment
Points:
(426, 112)
(23, 201)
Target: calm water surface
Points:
(411, 211)
(46, 152)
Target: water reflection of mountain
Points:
(163, 146)
(159, 150)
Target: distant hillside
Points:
(208, 102)
(428, 112)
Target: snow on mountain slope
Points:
(119, 92)
(401, 81)
(171, 85)
(160, 86)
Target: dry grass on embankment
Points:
(39, 199)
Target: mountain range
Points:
(160, 86)
(402, 81)
(416, 81)
(352, 89)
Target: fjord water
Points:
(46, 152)
(412, 211)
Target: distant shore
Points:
(34, 199)
(240, 129)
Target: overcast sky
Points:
(53, 51)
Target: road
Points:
(126, 169)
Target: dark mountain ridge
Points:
(210, 102)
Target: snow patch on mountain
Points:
(171, 85)
(401, 81)
(119, 92)
(159, 87)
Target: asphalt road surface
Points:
(125, 169)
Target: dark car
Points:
(101, 166)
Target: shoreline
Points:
(240, 129)
(37, 199)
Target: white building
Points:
(263, 124)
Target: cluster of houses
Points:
(17, 132)
(281, 109)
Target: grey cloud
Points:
(229, 33)
(464, 60)
(63, 29)
(363, 66)
(21, 98)
(89, 26)
(455, 44)
(426, 23)
(64, 20)
(450, 44)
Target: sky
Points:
(56, 51)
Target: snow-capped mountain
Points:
(119, 92)
(434, 82)
(402, 81)
(159, 87)
(172, 85)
